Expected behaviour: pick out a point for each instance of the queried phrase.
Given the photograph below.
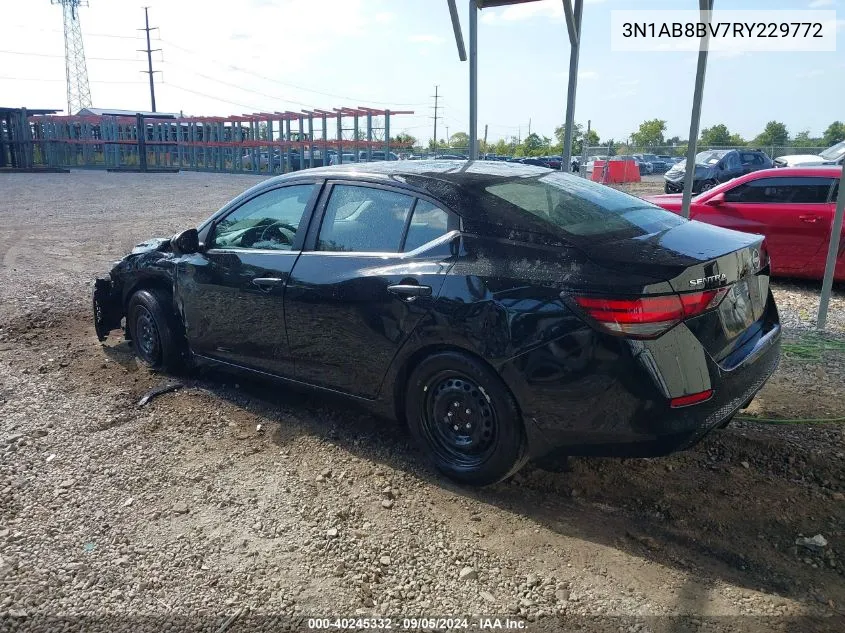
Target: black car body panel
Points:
(500, 285)
(716, 166)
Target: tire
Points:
(706, 185)
(157, 337)
(490, 444)
(666, 188)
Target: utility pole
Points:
(485, 138)
(149, 51)
(436, 97)
(529, 126)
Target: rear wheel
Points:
(707, 184)
(465, 419)
(156, 336)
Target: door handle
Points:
(409, 292)
(266, 283)
(809, 218)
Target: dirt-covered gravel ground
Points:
(236, 506)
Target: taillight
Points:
(648, 317)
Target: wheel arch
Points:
(407, 365)
(160, 283)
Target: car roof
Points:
(826, 171)
(454, 171)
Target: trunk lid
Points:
(694, 257)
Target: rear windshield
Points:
(576, 207)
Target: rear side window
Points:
(781, 191)
(427, 223)
(364, 220)
(577, 206)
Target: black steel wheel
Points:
(156, 333)
(465, 419)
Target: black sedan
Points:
(503, 311)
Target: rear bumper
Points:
(611, 398)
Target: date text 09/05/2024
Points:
(512, 624)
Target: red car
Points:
(793, 207)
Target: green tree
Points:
(650, 133)
(715, 136)
(736, 140)
(533, 144)
(405, 139)
(835, 133)
(802, 139)
(459, 139)
(775, 133)
(579, 137)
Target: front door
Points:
(368, 274)
(792, 212)
(232, 294)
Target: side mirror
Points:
(717, 201)
(186, 242)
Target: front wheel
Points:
(465, 419)
(156, 335)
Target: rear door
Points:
(793, 213)
(370, 270)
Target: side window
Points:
(428, 223)
(781, 190)
(835, 192)
(733, 161)
(364, 220)
(268, 221)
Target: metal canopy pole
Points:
(695, 117)
(456, 27)
(573, 25)
(473, 80)
(832, 252)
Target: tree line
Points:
(649, 135)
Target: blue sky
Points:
(391, 53)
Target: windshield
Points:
(709, 157)
(649, 157)
(575, 206)
(832, 153)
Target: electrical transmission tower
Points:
(78, 90)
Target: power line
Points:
(237, 87)
(102, 59)
(282, 83)
(208, 96)
(93, 81)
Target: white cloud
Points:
(816, 72)
(426, 38)
(588, 74)
(818, 4)
(385, 17)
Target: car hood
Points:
(793, 160)
(680, 169)
(152, 244)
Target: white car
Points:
(831, 156)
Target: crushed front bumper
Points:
(106, 305)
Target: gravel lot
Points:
(234, 506)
